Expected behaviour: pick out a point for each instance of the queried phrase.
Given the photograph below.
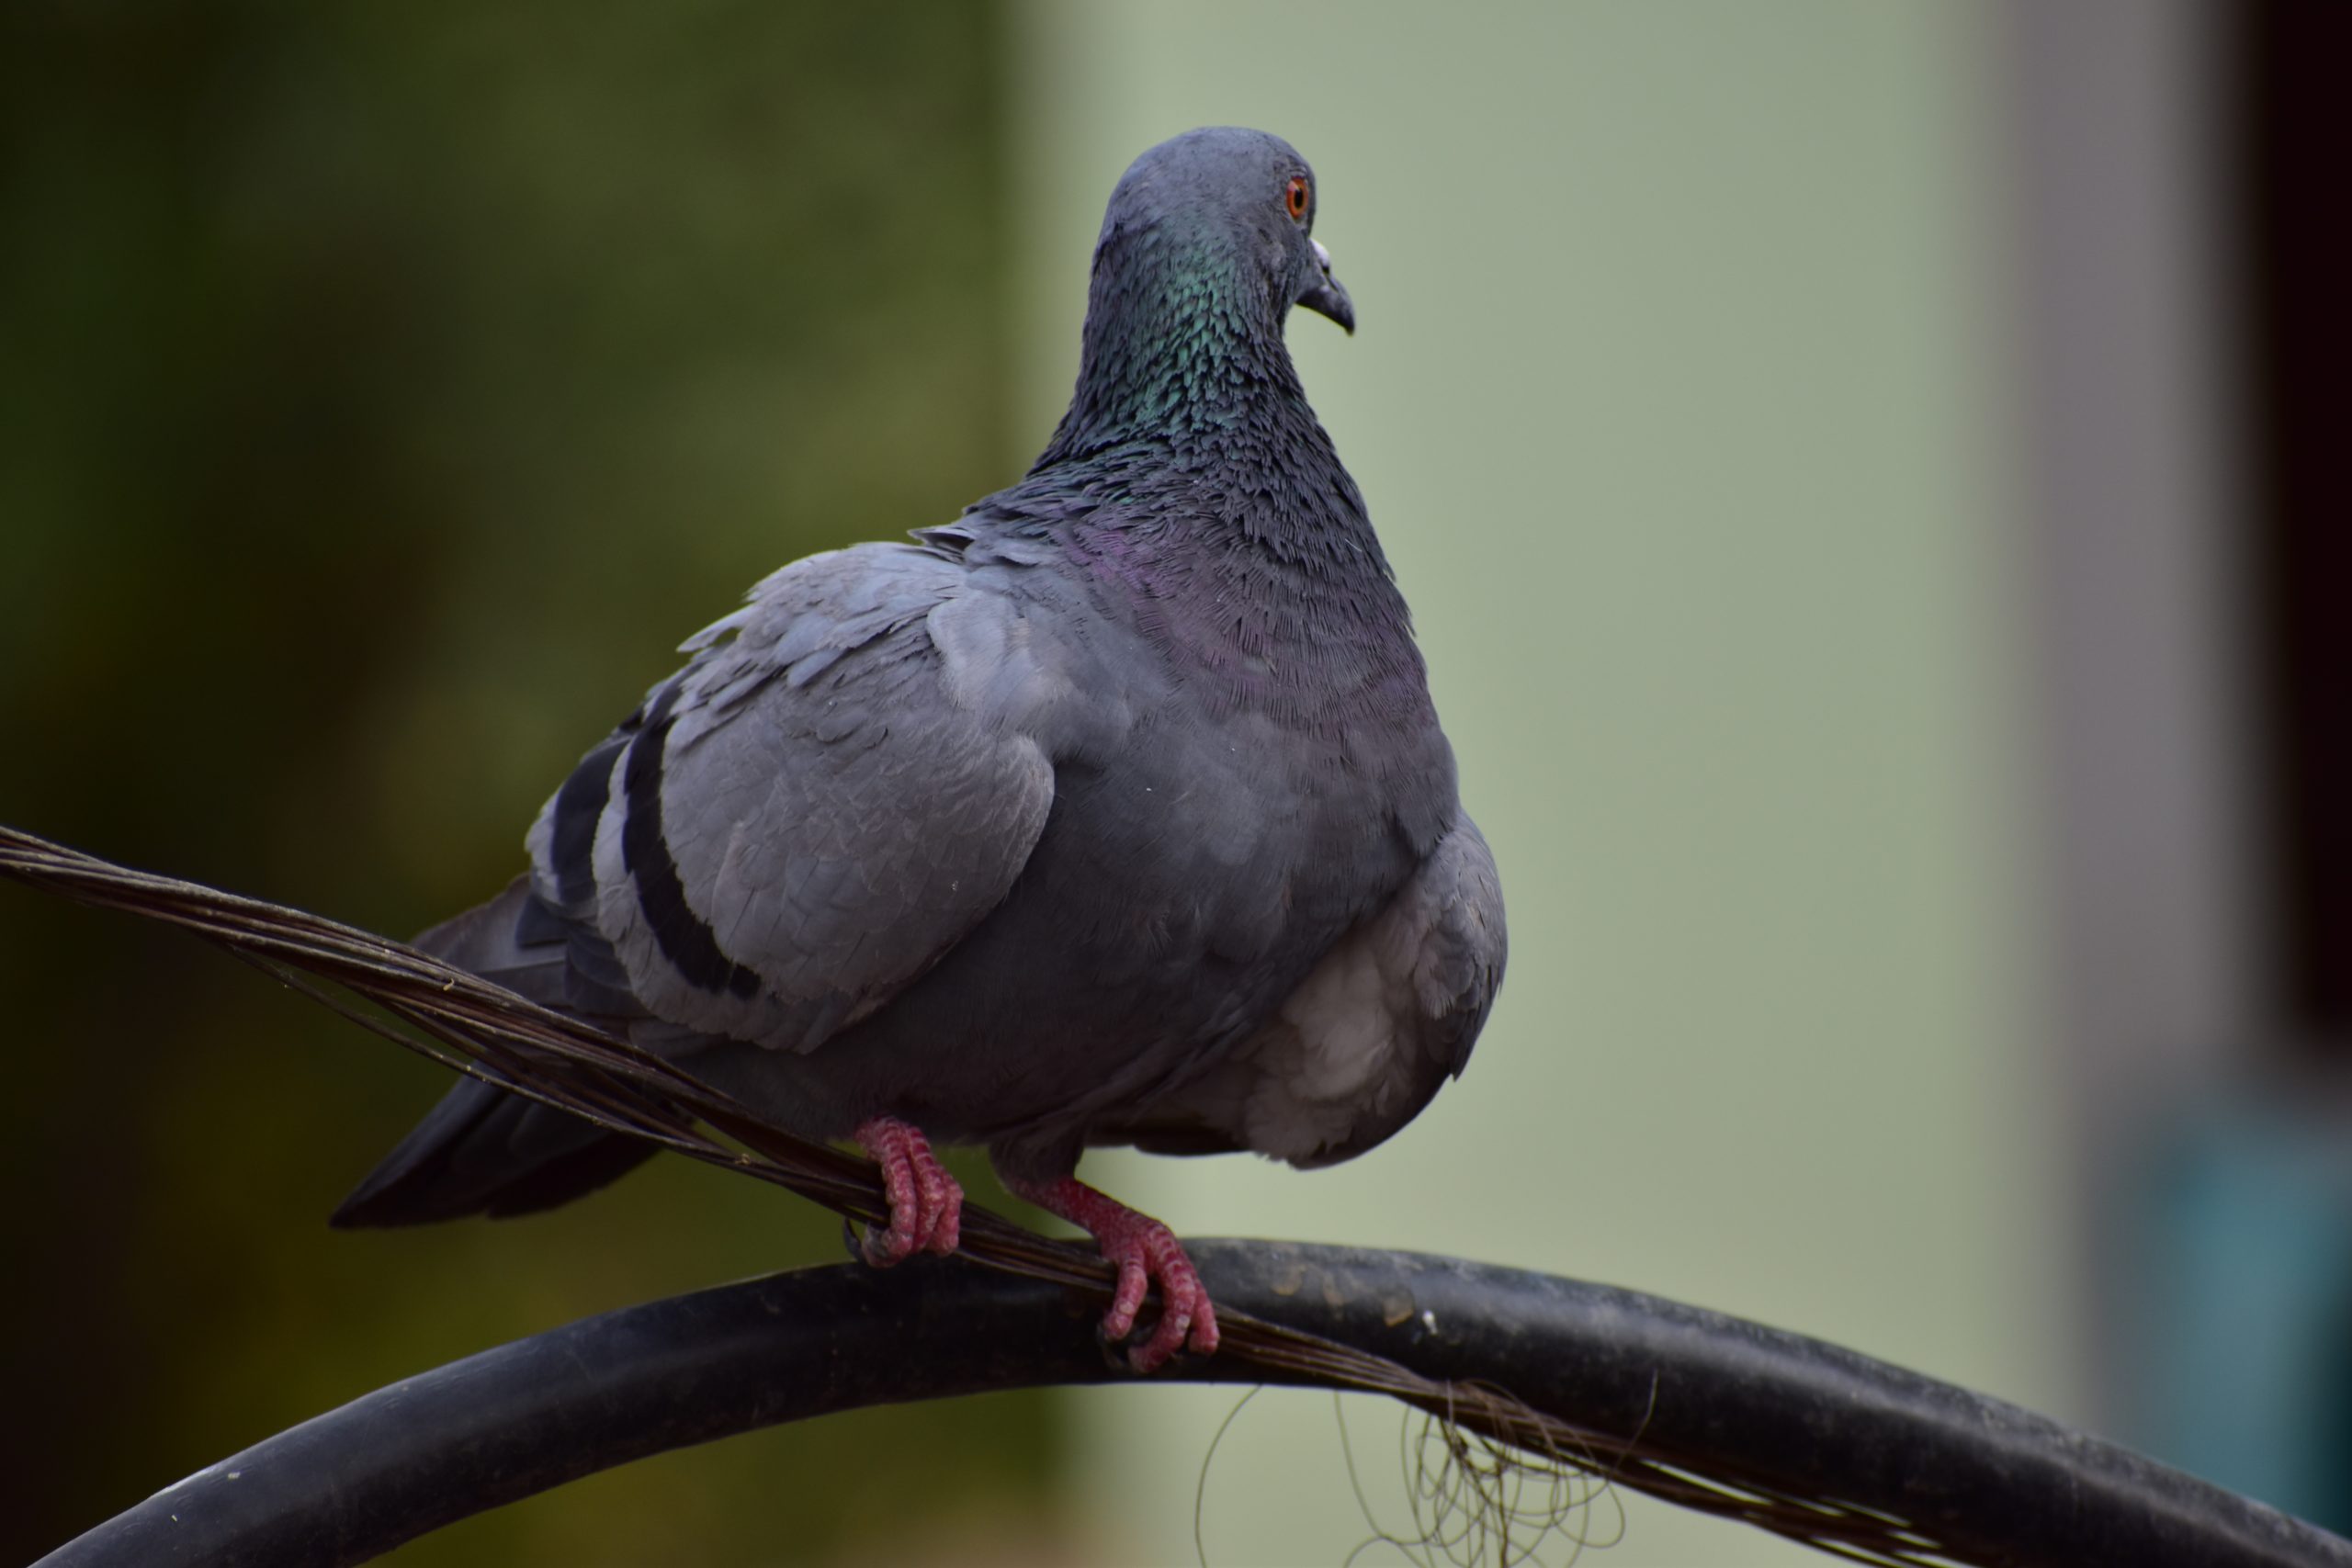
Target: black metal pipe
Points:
(1988, 1483)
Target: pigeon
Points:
(1115, 812)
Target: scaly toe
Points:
(1167, 1338)
(926, 1205)
(943, 1205)
(1127, 1299)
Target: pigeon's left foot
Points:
(1145, 1250)
(926, 1204)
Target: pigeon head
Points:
(1207, 243)
(1224, 216)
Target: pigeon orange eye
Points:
(1294, 198)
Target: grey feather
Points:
(835, 815)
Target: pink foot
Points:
(926, 1204)
(1145, 1250)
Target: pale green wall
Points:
(1677, 398)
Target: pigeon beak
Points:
(1325, 297)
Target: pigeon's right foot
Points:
(926, 1203)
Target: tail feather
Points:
(482, 1150)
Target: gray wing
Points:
(802, 820)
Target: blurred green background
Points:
(1803, 432)
(384, 390)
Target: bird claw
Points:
(1144, 1250)
(926, 1203)
(1148, 1252)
